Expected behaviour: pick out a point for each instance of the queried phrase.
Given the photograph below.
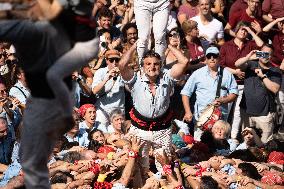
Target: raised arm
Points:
(126, 72)
(242, 62)
(271, 24)
(179, 68)
(257, 39)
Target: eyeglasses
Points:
(208, 56)
(113, 59)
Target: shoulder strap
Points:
(219, 82)
(21, 91)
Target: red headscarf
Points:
(105, 149)
(82, 110)
(276, 157)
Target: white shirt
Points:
(211, 31)
(111, 96)
(21, 93)
(144, 102)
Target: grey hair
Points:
(114, 113)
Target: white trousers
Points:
(237, 121)
(158, 140)
(144, 12)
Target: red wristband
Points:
(132, 154)
(167, 169)
(179, 187)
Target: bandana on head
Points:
(82, 110)
(105, 149)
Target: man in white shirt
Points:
(210, 29)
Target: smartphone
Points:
(261, 54)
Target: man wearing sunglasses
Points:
(108, 87)
(203, 82)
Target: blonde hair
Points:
(224, 124)
(188, 25)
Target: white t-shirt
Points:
(211, 31)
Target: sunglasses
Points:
(113, 59)
(175, 35)
(208, 56)
(3, 91)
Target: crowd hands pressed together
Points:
(181, 94)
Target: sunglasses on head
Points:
(212, 55)
(113, 59)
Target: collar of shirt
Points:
(218, 74)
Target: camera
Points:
(261, 54)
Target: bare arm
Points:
(126, 72)
(270, 25)
(242, 62)
(257, 39)
(228, 30)
(267, 18)
(50, 9)
(179, 68)
(270, 85)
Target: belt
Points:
(151, 124)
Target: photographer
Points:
(261, 84)
(109, 88)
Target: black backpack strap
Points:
(219, 82)
(21, 91)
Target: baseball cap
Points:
(212, 50)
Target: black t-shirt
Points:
(257, 100)
(38, 46)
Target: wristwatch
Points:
(264, 76)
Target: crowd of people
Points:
(142, 94)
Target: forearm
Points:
(99, 87)
(186, 103)
(267, 19)
(233, 71)
(127, 172)
(229, 98)
(85, 88)
(126, 72)
(269, 26)
(257, 39)
(241, 62)
(270, 85)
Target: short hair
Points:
(92, 132)
(94, 145)
(103, 31)
(127, 27)
(71, 157)
(60, 177)
(249, 170)
(151, 53)
(268, 45)
(105, 12)
(208, 182)
(116, 112)
(225, 125)
(241, 24)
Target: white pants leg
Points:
(144, 12)
(159, 140)
(237, 121)
(160, 21)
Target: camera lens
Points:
(114, 78)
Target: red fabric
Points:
(95, 169)
(102, 185)
(195, 51)
(105, 149)
(272, 179)
(189, 12)
(230, 52)
(188, 139)
(239, 5)
(82, 110)
(216, 115)
(242, 16)
(276, 157)
(278, 44)
(167, 169)
(273, 7)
